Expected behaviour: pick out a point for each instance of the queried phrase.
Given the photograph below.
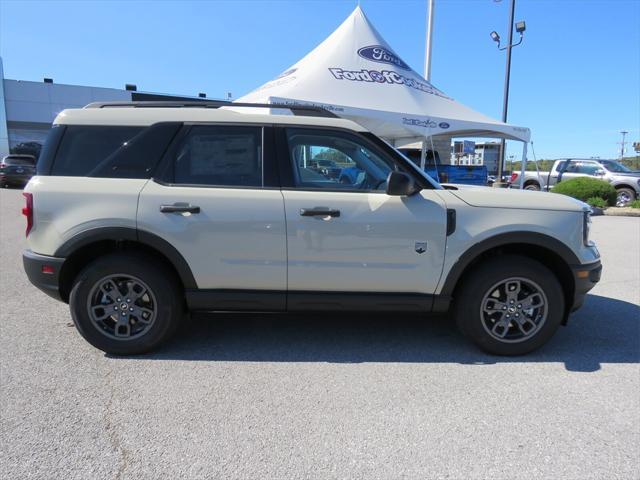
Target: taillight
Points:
(27, 211)
(514, 177)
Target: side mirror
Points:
(600, 172)
(400, 184)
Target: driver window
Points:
(588, 168)
(335, 160)
(572, 167)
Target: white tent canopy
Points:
(356, 74)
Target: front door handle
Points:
(319, 212)
(179, 208)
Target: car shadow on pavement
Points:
(605, 330)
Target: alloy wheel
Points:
(513, 310)
(122, 307)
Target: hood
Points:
(625, 174)
(512, 198)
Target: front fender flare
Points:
(504, 239)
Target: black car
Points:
(17, 169)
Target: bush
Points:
(597, 202)
(634, 204)
(584, 188)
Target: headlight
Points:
(586, 225)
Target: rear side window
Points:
(83, 148)
(220, 156)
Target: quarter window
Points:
(220, 155)
(84, 148)
(335, 160)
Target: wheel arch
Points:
(91, 244)
(552, 253)
(625, 185)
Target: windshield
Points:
(615, 167)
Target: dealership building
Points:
(28, 108)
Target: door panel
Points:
(236, 241)
(212, 206)
(370, 246)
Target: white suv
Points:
(142, 212)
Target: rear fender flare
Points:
(142, 237)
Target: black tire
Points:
(532, 186)
(625, 196)
(472, 320)
(164, 290)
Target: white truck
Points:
(625, 181)
(140, 213)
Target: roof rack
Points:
(301, 110)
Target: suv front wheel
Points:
(509, 305)
(125, 304)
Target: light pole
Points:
(520, 28)
(427, 72)
(427, 50)
(624, 134)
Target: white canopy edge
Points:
(408, 128)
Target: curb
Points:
(622, 212)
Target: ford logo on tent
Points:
(377, 53)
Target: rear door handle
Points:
(319, 212)
(179, 208)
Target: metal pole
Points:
(624, 134)
(505, 100)
(523, 164)
(427, 68)
(423, 154)
(427, 51)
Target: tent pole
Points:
(523, 164)
(423, 154)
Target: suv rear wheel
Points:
(509, 305)
(125, 304)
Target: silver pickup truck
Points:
(625, 181)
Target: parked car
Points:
(625, 181)
(138, 215)
(328, 168)
(17, 170)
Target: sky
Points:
(575, 79)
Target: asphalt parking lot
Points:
(322, 397)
